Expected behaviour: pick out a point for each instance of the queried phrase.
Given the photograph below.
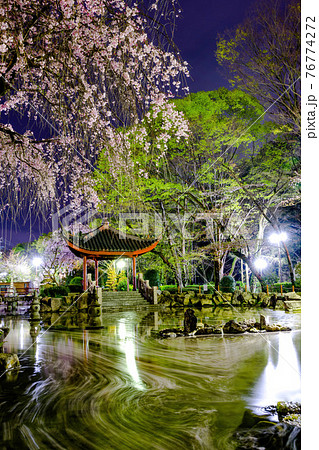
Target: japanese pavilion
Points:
(108, 243)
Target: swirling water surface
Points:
(121, 388)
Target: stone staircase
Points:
(123, 300)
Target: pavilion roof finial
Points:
(105, 224)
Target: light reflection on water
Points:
(119, 388)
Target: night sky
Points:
(195, 35)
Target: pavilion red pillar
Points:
(96, 273)
(85, 283)
(134, 273)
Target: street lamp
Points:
(36, 262)
(277, 238)
(121, 263)
(260, 264)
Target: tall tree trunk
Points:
(217, 270)
(233, 266)
(247, 277)
(291, 269)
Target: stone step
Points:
(122, 300)
(121, 294)
(117, 299)
(106, 309)
(124, 305)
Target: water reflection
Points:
(128, 346)
(280, 380)
(119, 388)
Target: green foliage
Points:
(76, 281)
(122, 284)
(227, 284)
(54, 291)
(152, 276)
(170, 288)
(189, 288)
(111, 283)
(240, 285)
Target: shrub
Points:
(152, 276)
(75, 289)
(240, 285)
(122, 284)
(190, 288)
(76, 281)
(227, 284)
(54, 291)
(170, 288)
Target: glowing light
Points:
(276, 238)
(23, 268)
(260, 263)
(121, 264)
(36, 262)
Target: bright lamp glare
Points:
(120, 263)
(260, 263)
(278, 237)
(36, 262)
(23, 268)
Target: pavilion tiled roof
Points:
(105, 242)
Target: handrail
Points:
(144, 288)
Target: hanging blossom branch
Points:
(77, 71)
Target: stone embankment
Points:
(72, 311)
(192, 328)
(289, 301)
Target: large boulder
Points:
(227, 297)
(82, 302)
(233, 327)
(292, 296)
(292, 305)
(246, 298)
(56, 304)
(207, 330)
(263, 299)
(217, 298)
(8, 361)
(235, 301)
(261, 432)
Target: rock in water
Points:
(3, 333)
(263, 322)
(9, 361)
(190, 321)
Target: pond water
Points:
(120, 388)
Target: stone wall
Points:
(238, 298)
(73, 311)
